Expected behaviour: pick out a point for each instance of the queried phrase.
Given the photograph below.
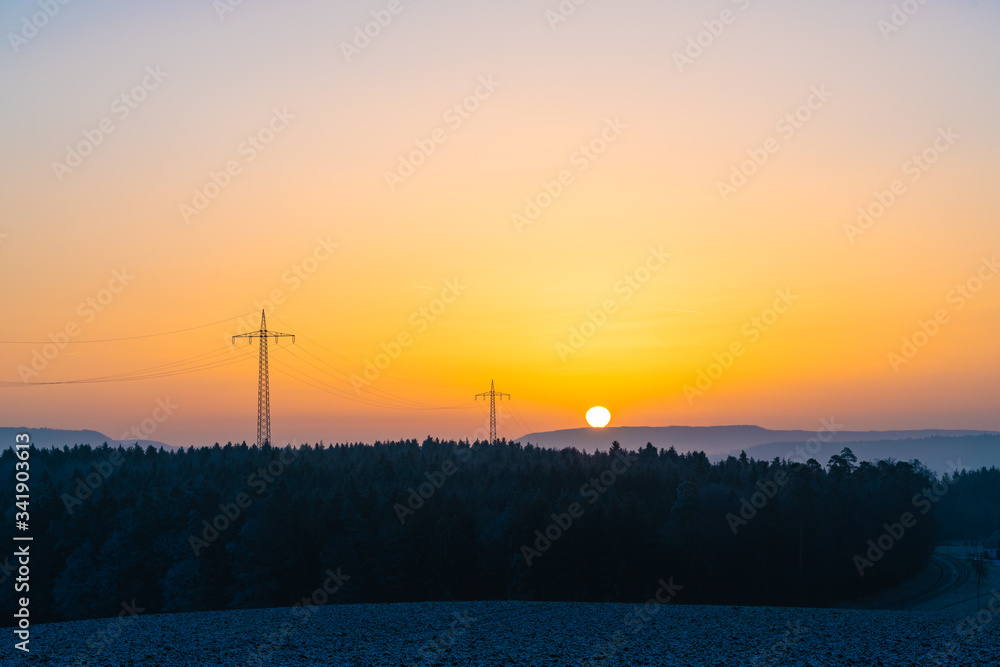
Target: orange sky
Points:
(685, 194)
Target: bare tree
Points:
(977, 562)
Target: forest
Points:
(239, 526)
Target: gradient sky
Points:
(680, 131)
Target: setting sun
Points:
(598, 417)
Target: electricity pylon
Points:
(492, 395)
(263, 394)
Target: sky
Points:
(700, 213)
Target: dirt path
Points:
(948, 584)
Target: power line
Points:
(304, 337)
(311, 381)
(353, 363)
(376, 397)
(330, 389)
(211, 360)
(163, 370)
(384, 395)
(374, 401)
(115, 340)
(518, 418)
(320, 385)
(375, 390)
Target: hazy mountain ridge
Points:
(933, 447)
(714, 440)
(939, 453)
(57, 437)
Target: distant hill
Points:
(720, 440)
(937, 452)
(56, 437)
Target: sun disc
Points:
(598, 417)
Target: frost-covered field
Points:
(523, 633)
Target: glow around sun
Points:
(598, 417)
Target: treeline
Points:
(236, 526)
(970, 507)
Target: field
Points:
(522, 633)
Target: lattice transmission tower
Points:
(492, 394)
(263, 393)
